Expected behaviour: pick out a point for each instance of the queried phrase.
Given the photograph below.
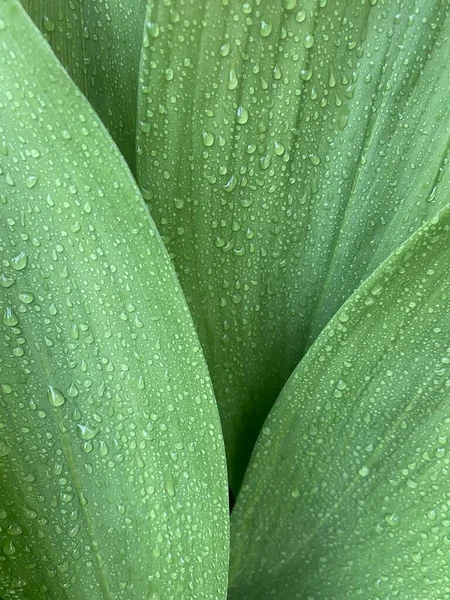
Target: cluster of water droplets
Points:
(358, 448)
(265, 130)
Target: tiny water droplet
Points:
(4, 448)
(31, 181)
(8, 547)
(300, 16)
(343, 317)
(170, 488)
(392, 519)
(19, 262)
(231, 184)
(14, 529)
(86, 431)
(55, 396)
(48, 23)
(26, 297)
(242, 115)
(225, 49)
(232, 79)
(265, 28)
(207, 138)
(6, 282)
(10, 317)
(309, 41)
(153, 29)
(289, 4)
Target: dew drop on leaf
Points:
(19, 262)
(55, 396)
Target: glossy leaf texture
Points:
(347, 494)
(112, 466)
(285, 149)
(99, 43)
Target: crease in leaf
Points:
(285, 150)
(346, 494)
(113, 477)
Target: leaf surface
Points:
(99, 43)
(285, 149)
(112, 467)
(347, 492)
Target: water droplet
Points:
(4, 448)
(242, 115)
(342, 121)
(392, 519)
(376, 289)
(170, 488)
(6, 282)
(364, 471)
(8, 547)
(55, 396)
(278, 149)
(289, 4)
(207, 138)
(232, 79)
(343, 317)
(48, 23)
(29, 512)
(231, 184)
(26, 297)
(87, 432)
(67, 497)
(265, 28)
(309, 41)
(10, 317)
(300, 16)
(14, 529)
(31, 181)
(19, 262)
(153, 29)
(72, 391)
(225, 49)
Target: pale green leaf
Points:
(347, 494)
(112, 469)
(99, 43)
(286, 148)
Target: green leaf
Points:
(99, 43)
(286, 148)
(347, 493)
(112, 467)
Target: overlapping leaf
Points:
(99, 43)
(112, 467)
(285, 149)
(347, 493)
